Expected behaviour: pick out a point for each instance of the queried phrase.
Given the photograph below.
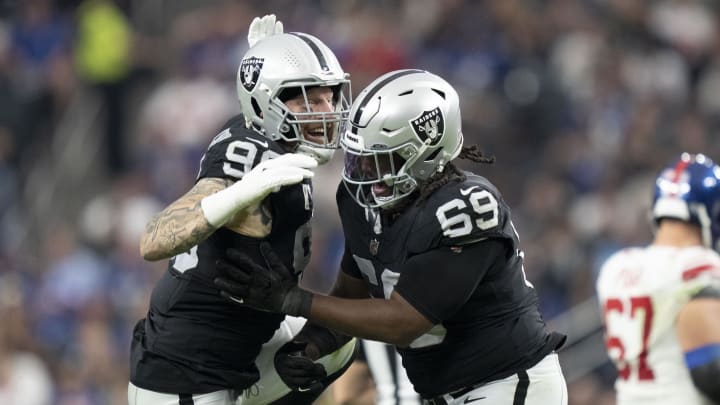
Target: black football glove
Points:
(272, 288)
(296, 367)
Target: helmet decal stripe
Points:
(316, 49)
(678, 171)
(371, 93)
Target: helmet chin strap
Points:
(322, 155)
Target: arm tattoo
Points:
(182, 224)
(264, 212)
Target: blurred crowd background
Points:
(107, 106)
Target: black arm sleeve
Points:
(438, 282)
(708, 292)
(705, 378)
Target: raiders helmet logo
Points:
(429, 125)
(250, 71)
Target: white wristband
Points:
(263, 179)
(219, 207)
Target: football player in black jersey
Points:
(437, 250)
(194, 347)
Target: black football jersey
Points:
(456, 258)
(192, 339)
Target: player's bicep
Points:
(698, 331)
(698, 323)
(181, 224)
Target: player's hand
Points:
(296, 368)
(271, 288)
(255, 185)
(283, 170)
(263, 27)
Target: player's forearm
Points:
(182, 224)
(375, 319)
(174, 231)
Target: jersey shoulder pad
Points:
(235, 151)
(465, 212)
(699, 265)
(612, 264)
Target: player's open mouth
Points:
(318, 134)
(381, 190)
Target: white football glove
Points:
(263, 27)
(263, 179)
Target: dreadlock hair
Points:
(451, 172)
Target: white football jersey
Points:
(641, 291)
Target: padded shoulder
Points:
(460, 213)
(235, 151)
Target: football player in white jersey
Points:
(661, 303)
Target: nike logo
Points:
(468, 399)
(264, 144)
(467, 191)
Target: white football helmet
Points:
(280, 67)
(403, 128)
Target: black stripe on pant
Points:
(186, 399)
(522, 388)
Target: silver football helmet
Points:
(403, 128)
(284, 66)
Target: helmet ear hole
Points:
(256, 107)
(287, 130)
(433, 155)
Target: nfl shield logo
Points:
(374, 245)
(250, 71)
(429, 125)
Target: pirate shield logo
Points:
(250, 71)
(429, 125)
